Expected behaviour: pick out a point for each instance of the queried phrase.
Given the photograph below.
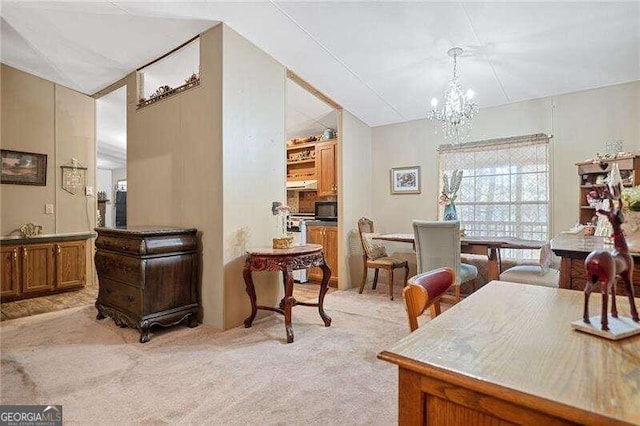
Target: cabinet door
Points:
(70, 264)
(10, 271)
(326, 168)
(331, 252)
(37, 268)
(315, 235)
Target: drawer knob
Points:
(130, 299)
(107, 290)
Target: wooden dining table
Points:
(488, 246)
(507, 354)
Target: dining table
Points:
(488, 246)
(507, 354)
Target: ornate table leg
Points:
(324, 286)
(288, 303)
(144, 331)
(251, 291)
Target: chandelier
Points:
(458, 109)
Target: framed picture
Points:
(405, 180)
(24, 168)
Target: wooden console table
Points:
(507, 355)
(574, 249)
(147, 276)
(286, 260)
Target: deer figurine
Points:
(604, 266)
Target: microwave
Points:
(326, 210)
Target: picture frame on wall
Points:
(405, 180)
(23, 168)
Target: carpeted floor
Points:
(102, 375)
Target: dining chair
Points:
(374, 255)
(438, 246)
(541, 274)
(425, 291)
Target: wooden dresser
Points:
(147, 276)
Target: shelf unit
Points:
(301, 162)
(590, 172)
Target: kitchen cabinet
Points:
(327, 237)
(326, 168)
(10, 272)
(42, 266)
(592, 176)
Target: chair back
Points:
(423, 290)
(371, 249)
(437, 245)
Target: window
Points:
(504, 188)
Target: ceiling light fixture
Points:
(458, 110)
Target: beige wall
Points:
(213, 158)
(354, 196)
(581, 123)
(174, 166)
(253, 167)
(42, 117)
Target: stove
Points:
(294, 221)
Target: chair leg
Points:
(457, 292)
(364, 279)
(406, 275)
(435, 310)
(375, 278)
(391, 283)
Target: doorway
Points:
(111, 148)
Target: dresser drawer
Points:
(120, 268)
(121, 296)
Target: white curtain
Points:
(504, 189)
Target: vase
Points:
(450, 212)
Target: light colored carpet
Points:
(102, 375)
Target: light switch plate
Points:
(48, 208)
(89, 190)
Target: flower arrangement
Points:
(449, 194)
(631, 198)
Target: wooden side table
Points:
(286, 260)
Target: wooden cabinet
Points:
(326, 168)
(70, 264)
(592, 177)
(327, 237)
(10, 272)
(37, 268)
(147, 276)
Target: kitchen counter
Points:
(70, 236)
(321, 223)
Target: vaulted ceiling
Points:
(383, 61)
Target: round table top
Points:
(293, 251)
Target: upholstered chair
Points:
(375, 256)
(438, 246)
(425, 291)
(540, 274)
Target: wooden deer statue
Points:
(604, 266)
